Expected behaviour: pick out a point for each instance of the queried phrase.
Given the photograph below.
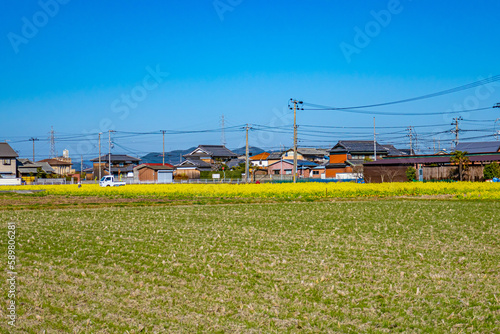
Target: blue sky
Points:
(243, 59)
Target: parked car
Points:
(109, 181)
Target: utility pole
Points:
(223, 134)
(81, 168)
(246, 156)
(109, 140)
(374, 142)
(163, 131)
(457, 130)
(33, 140)
(100, 133)
(497, 132)
(295, 102)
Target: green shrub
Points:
(411, 173)
(491, 170)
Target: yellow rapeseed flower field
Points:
(466, 190)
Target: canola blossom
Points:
(464, 190)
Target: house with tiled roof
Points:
(274, 157)
(392, 151)
(62, 166)
(260, 159)
(349, 155)
(432, 166)
(121, 165)
(8, 162)
(27, 168)
(191, 168)
(479, 147)
(285, 167)
(317, 155)
(211, 154)
(233, 163)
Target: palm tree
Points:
(460, 158)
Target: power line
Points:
(374, 112)
(427, 96)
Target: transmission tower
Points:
(222, 134)
(410, 136)
(52, 137)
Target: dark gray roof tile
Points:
(357, 146)
(479, 147)
(214, 151)
(6, 151)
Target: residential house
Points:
(274, 157)
(27, 168)
(191, 168)
(233, 163)
(89, 173)
(8, 162)
(288, 155)
(317, 155)
(392, 151)
(319, 172)
(479, 147)
(432, 167)
(211, 154)
(121, 165)
(154, 173)
(285, 167)
(260, 160)
(348, 156)
(62, 166)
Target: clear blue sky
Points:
(243, 59)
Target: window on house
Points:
(276, 172)
(288, 171)
(121, 164)
(315, 172)
(6, 161)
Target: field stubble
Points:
(379, 266)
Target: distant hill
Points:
(172, 157)
(251, 149)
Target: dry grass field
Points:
(350, 266)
